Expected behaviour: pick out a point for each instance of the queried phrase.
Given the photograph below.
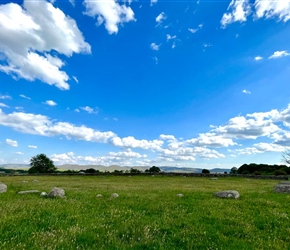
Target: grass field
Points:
(147, 214)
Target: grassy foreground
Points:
(147, 214)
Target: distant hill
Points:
(115, 167)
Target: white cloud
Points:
(109, 12)
(3, 97)
(278, 54)
(269, 9)
(3, 105)
(160, 18)
(246, 92)
(11, 143)
(154, 46)
(155, 59)
(30, 33)
(25, 97)
(167, 137)
(192, 30)
(238, 10)
(19, 153)
(131, 142)
(41, 125)
(211, 139)
(76, 80)
(258, 58)
(152, 2)
(32, 146)
(169, 37)
(89, 110)
(50, 103)
(260, 148)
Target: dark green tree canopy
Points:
(205, 171)
(41, 164)
(154, 169)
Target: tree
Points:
(234, 170)
(41, 164)
(286, 156)
(205, 171)
(154, 169)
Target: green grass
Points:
(147, 215)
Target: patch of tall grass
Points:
(147, 214)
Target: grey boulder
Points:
(282, 187)
(3, 188)
(228, 194)
(56, 192)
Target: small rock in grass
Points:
(43, 194)
(3, 188)
(228, 194)
(35, 181)
(24, 181)
(213, 179)
(99, 195)
(28, 192)
(179, 195)
(114, 195)
(282, 187)
(56, 192)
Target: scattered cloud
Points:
(50, 103)
(32, 146)
(25, 97)
(246, 92)
(89, 110)
(3, 97)
(270, 9)
(11, 143)
(258, 58)
(238, 10)
(27, 39)
(109, 12)
(76, 80)
(152, 2)
(191, 30)
(19, 153)
(278, 54)
(155, 59)
(154, 46)
(160, 18)
(3, 105)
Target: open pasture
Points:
(148, 214)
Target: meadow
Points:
(146, 215)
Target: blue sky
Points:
(166, 83)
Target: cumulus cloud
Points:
(160, 18)
(29, 37)
(41, 125)
(11, 143)
(32, 146)
(131, 142)
(50, 103)
(269, 9)
(238, 10)
(109, 12)
(278, 54)
(154, 46)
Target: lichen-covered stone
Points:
(228, 194)
(282, 187)
(3, 188)
(114, 195)
(56, 192)
(28, 192)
